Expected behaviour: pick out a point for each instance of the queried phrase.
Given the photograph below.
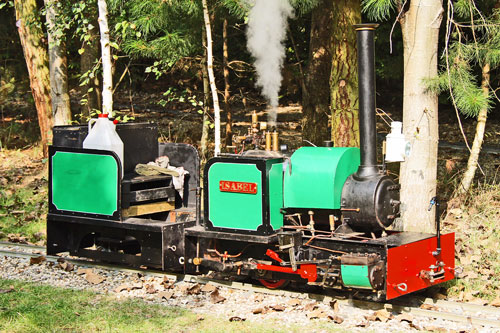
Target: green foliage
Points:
(237, 8)
(378, 10)
(470, 48)
(162, 30)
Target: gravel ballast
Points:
(224, 302)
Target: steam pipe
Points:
(366, 84)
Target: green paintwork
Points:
(318, 175)
(355, 276)
(85, 183)
(276, 195)
(234, 210)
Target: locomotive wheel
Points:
(274, 284)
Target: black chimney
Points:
(366, 83)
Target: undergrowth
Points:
(477, 248)
(23, 194)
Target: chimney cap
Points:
(365, 26)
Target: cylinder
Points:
(275, 141)
(255, 119)
(268, 141)
(366, 84)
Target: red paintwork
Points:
(273, 284)
(405, 262)
(237, 187)
(274, 255)
(307, 271)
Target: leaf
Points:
(81, 51)
(5, 291)
(496, 302)
(334, 305)
(262, 310)
(166, 295)
(294, 302)
(37, 260)
(94, 278)
(317, 314)
(66, 266)
(450, 165)
(336, 319)
(311, 306)
(215, 297)
(194, 290)
(405, 317)
(383, 315)
(278, 307)
(82, 271)
(208, 288)
(429, 307)
(150, 289)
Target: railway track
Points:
(475, 315)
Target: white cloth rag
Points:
(164, 162)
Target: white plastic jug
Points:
(103, 136)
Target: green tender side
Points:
(235, 210)
(276, 195)
(318, 175)
(85, 183)
(355, 276)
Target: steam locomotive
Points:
(319, 216)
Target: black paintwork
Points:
(370, 203)
(366, 84)
(140, 141)
(181, 154)
(152, 239)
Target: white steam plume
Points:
(266, 32)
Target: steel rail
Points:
(467, 311)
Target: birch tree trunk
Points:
(206, 99)
(58, 67)
(211, 76)
(227, 108)
(344, 74)
(107, 76)
(420, 26)
(36, 58)
(472, 163)
(91, 92)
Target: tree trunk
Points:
(31, 36)
(58, 67)
(468, 176)
(91, 92)
(107, 68)
(227, 107)
(316, 96)
(420, 27)
(206, 100)
(211, 76)
(344, 74)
